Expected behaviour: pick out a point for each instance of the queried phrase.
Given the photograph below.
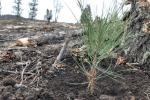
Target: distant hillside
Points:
(8, 17)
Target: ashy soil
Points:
(31, 69)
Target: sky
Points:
(68, 11)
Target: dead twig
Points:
(77, 84)
(37, 76)
(22, 73)
(14, 72)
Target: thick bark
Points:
(137, 33)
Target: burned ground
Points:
(67, 82)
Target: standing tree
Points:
(33, 9)
(57, 7)
(137, 34)
(17, 8)
(48, 15)
(0, 8)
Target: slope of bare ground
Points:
(25, 72)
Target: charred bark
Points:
(137, 33)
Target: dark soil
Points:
(39, 83)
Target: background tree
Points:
(0, 8)
(86, 15)
(57, 8)
(33, 9)
(17, 8)
(48, 15)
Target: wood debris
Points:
(24, 42)
(6, 55)
(121, 60)
(61, 53)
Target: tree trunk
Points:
(137, 33)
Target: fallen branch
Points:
(45, 38)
